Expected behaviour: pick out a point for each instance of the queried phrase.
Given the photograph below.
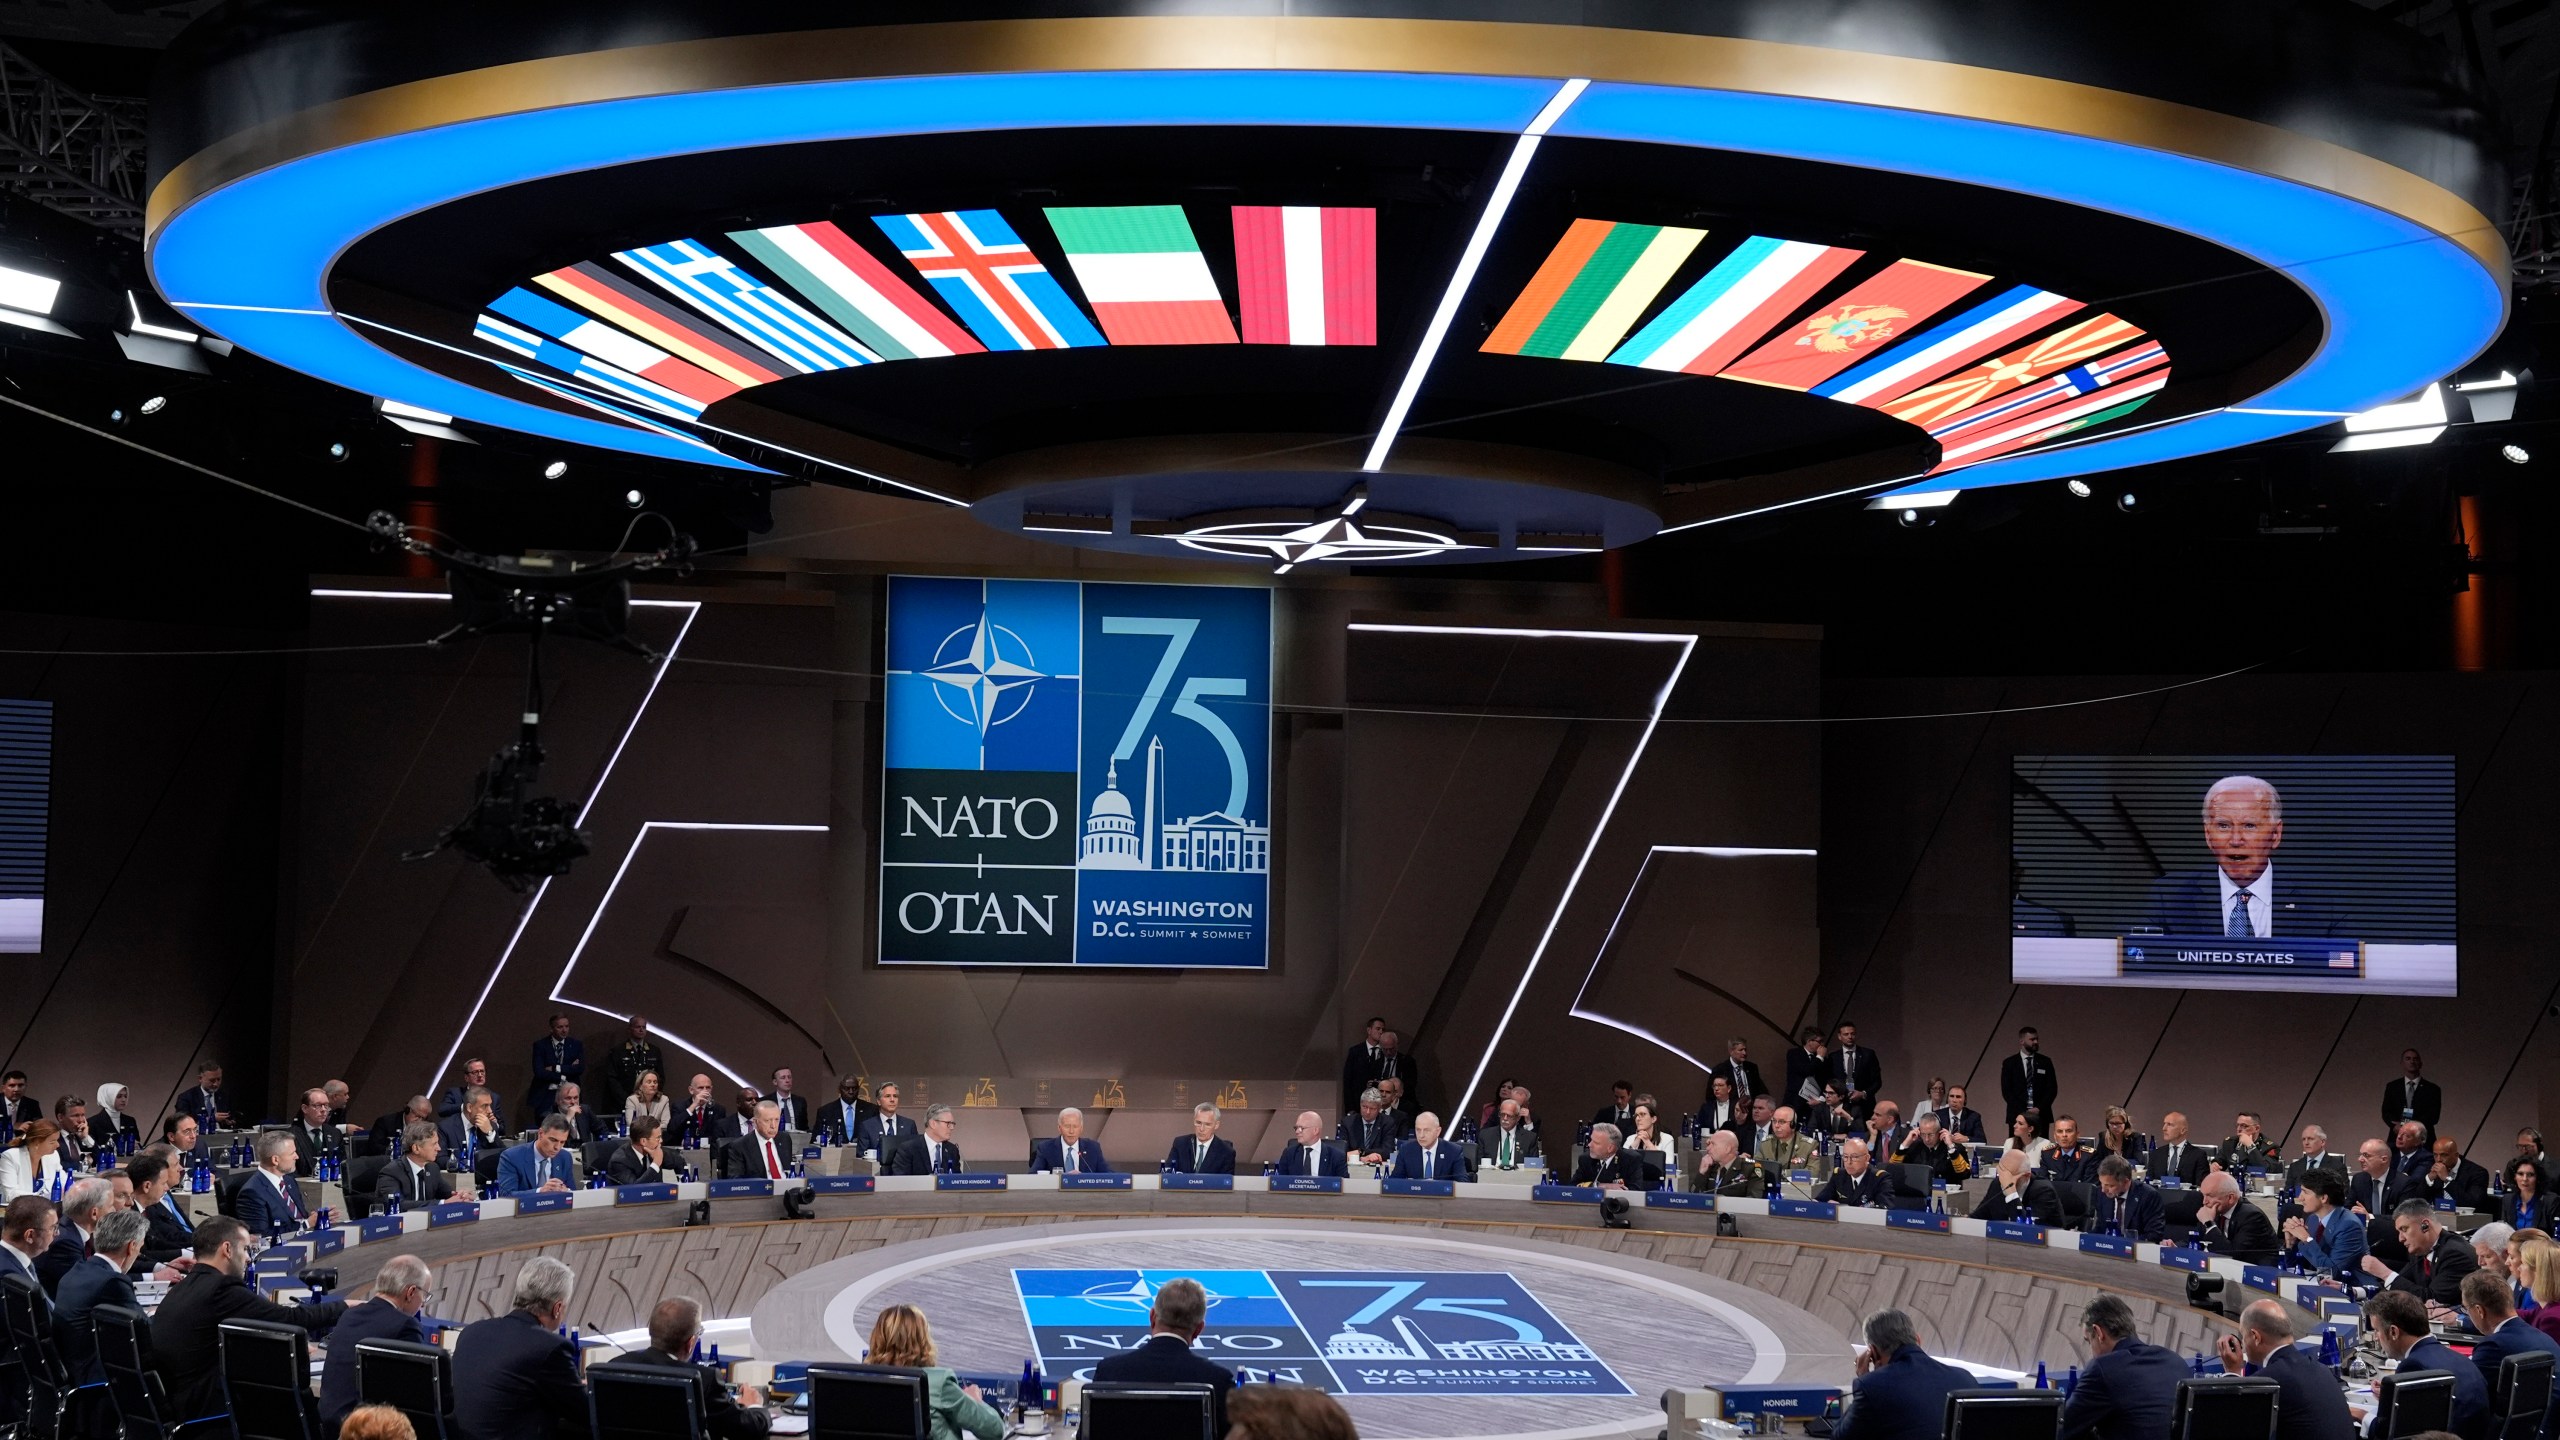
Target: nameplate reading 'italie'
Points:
(1076, 774)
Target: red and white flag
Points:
(1308, 275)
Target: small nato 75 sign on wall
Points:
(1076, 774)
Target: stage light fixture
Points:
(555, 469)
(337, 451)
(634, 499)
(139, 324)
(2128, 502)
(1915, 500)
(27, 292)
(2515, 454)
(1917, 519)
(2414, 421)
(2078, 488)
(154, 405)
(118, 415)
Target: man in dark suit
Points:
(842, 1117)
(702, 1123)
(384, 1137)
(1308, 1152)
(186, 1331)
(1721, 1111)
(415, 1179)
(571, 1097)
(2176, 1157)
(883, 1130)
(2399, 1322)
(1397, 1063)
(1900, 1391)
(1428, 1157)
(2464, 1182)
(204, 1098)
(761, 1153)
(1739, 1069)
(1857, 1181)
(457, 1096)
(1070, 1150)
(472, 1131)
(2071, 1160)
(2240, 894)
(928, 1153)
(675, 1327)
(400, 1290)
(2018, 1194)
(2489, 1303)
(2125, 1206)
(515, 1376)
(82, 1204)
(2128, 1387)
(1201, 1152)
(2411, 1096)
(1174, 1323)
(1960, 1119)
(2228, 1225)
(2437, 1259)
(1807, 1065)
(794, 1105)
(97, 1280)
(1621, 1109)
(270, 1204)
(2309, 1404)
(172, 1233)
(1857, 1072)
(17, 1107)
(638, 1159)
(558, 1058)
(1360, 1066)
(2027, 1079)
(1610, 1166)
(1510, 1141)
(313, 1136)
(1369, 1134)
(2316, 1155)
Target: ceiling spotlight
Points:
(154, 405)
(2515, 454)
(632, 498)
(2128, 502)
(1914, 519)
(27, 292)
(2079, 488)
(117, 416)
(555, 469)
(337, 450)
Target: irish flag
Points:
(1143, 273)
(1591, 290)
(1307, 275)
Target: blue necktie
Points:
(2239, 922)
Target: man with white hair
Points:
(2228, 1226)
(1202, 1152)
(2018, 1194)
(400, 1292)
(515, 1376)
(1070, 1153)
(99, 1279)
(2239, 896)
(2316, 1155)
(82, 1204)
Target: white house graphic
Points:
(1117, 838)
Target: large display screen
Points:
(1076, 774)
(26, 797)
(2326, 873)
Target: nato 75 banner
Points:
(1076, 774)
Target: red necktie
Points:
(772, 1166)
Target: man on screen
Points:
(2240, 896)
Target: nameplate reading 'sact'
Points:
(1306, 1184)
(1180, 1181)
(1916, 1220)
(1676, 1200)
(1093, 1180)
(1440, 1188)
(733, 1189)
(2180, 1257)
(841, 1184)
(643, 1194)
(537, 1204)
(2116, 1245)
(963, 1181)
(1803, 1209)
(2015, 1232)
(453, 1212)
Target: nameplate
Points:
(1740, 1400)
(813, 1153)
(1803, 1209)
(1799, 1177)
(1566, 1194)
(842, 1184)
(950, 1180)
(2314, 960)
(271, 1283)
(1441, 1189)
(326, 1242)
(453, 1212)
(1678, 1199)
(1306, 1184)
(1916, 1220)
(2259, 1277)
(282, 1260)
(537, 1204)
(643, 1194)
(2116, 1245)
(1179, 1180)
(2014, 1231)
(2180, 1257)
(2166, 1182)
(1093, 1180)
(735, 1189)
(380, 1227)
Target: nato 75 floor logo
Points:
(1370, 1333)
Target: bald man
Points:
(2019, 1194)
(2240, 895)
(2229, 1225)
(1308, 1152)
(2309, 1404)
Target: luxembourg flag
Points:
(1307, 275)
(856, 291)
(1143, 273)
(1743, 298)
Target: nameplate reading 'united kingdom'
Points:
(1076, 774)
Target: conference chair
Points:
(226, 1191)
(414, 1379)
(266, 1373)
(52, 1396)
(1149, 1412)
(2520, 1397)
(133, 1382)
(2079, 1202)
(484, 1167)
(625, 1404)
(866, 1402)
(2225, 1407)
(363, 1173)
(2182, 1207)
(2411, 1402)
(1911, 1182)
(595, 1155)
(1987, 1414)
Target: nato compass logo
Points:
(978, 679)
(1135, 1295)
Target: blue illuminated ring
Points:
(2402, 304)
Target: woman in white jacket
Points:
(32, 1166)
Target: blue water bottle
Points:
(2041, 1382)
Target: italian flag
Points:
(1143, 273)
(1307, 275)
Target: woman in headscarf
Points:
(111, 1125)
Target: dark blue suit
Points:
(515, 1380)
(1905, 1396)
(2138, 1216)
(2310, 1405)
(66, 1251)
(90, 1284)
(1051, 1154)
(2336, 1243)
(1185, 1157)
(2516, 1337)
(2470, 1392)
(2190, 904)
(264, 1210)
(375, 1319)
(1870, 1190)
(1329, 1161)
(549, 1070)
(2129, 1391)
(1447, 1162)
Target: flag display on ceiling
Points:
(1845, 330)
(849, 283)
(1143, 274)
(1307, 275)
(1959, 340)
(1745, 296)
(990, 278)
(1591, 290)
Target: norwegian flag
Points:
(1977, 384)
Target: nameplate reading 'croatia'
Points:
(537, 1204)
(1180, 1181)
(1674, 1200)
(1306, 1184)
(1093, 1180)
(1916, 1220)
(842, 1184)
(733, 1189)
(1803, 1209)
(1566, 1194)
(2116, 1245)
(2180, 1257)
(643, 1194)
(1440, 1188)
(2015, 1232)
(964, 1181)
(453, 1212)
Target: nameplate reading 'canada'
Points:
(1076, 774)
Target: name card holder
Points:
(1179, 1180)
(2181, 1257)
(962, 1180)
(1093, 1180)
(279, 1260)
(2016, 1232)
(381, 1227)
(842, 1184)
(1440, 1189)
(1566, 1194)
(643, 1194)
(738, 1189)
(1678, 1200)
(1916, 1220)
(1306, 1184)
(538, 1204)
(1803, 1209)
(326, 1242)
(453, 1212)
(2119, 1246)
(2260, 1277)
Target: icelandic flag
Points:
(711, 283)
(990, 279)
(1143, 273)
(1307, 275)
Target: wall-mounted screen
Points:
(2327, 873)
(26, 798)
(1076, 774)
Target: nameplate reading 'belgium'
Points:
(537, 1204)
(963, 1181)
(2116, 1245)
(841, 1184)
(643, 1194)
(1916, 1220)
(2180, 1257)
(1441, 1188)
(1076, 774)
(2015, 1232)
(453, 1212)
(1180, 1181)
(1093, 1180)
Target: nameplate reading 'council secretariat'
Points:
(1076, 774)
